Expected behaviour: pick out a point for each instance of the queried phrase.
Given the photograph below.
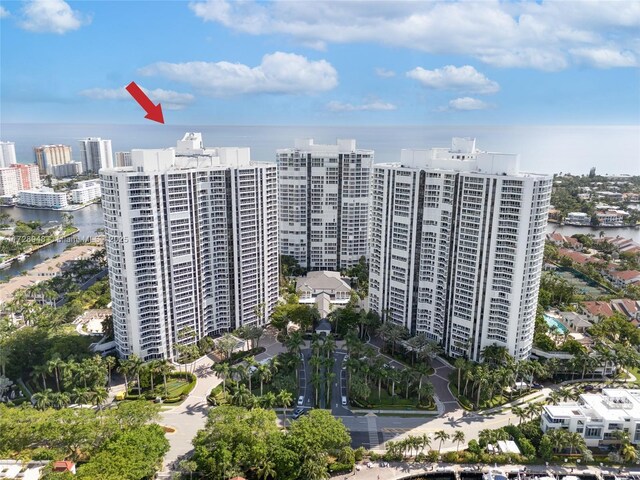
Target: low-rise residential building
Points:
(611, 218)
(627, 307)
(43, 198)
(575, 322)
(597, 416)
(622, 278)
(595, 310)
(577, 257)
(327, 290)
(86, 191)
(577, 218)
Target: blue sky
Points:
(329, 63)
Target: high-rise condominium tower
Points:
(48, 156)
(457, 237)
(192, 245)
(7, 154)
(324, 203)
(95, 153)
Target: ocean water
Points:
(543, 149)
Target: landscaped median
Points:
(178, 386)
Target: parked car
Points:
(536, 386)
(301, 400)
(298, 412)
(344, 401)
(588, 388)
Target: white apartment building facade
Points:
(95, 153)
(86, 191)
(43, 198)
(456, 244)
(324, 203)
(7, 154)
(66, 170)
(9, 181)
(192, 245)
(597, 416)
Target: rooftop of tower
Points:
(342, 145)
(189, 153)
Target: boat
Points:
(6, 264)
(21, 258)
(495, 474)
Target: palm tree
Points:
(81, 396)
(285, 399)
(60, 399)
(264, 374)
(135, 363)
(109, 362)
(250, 362)
(54, 366)
(628, 453)
(482, 378)
(125, 370)
(426, 391)
(574, 440)
(565, 393)
(42, 399)
(425, 441)
(100, 396)
(520, 413)
(554, 398)
(533, 409)
(441, 435)
(153, 367)
(460, 365)
(458, 437)
(268, 400)
(41, 371)
(294, 342)
(165, 368)
(242, 397)
(223, 371)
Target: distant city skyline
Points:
(329, 63)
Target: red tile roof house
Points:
(574, 243)
(623, 278)
(578, 257)
(627, 307)
(595, 310)
(64, 466)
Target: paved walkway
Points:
(191, 415)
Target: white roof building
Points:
(597, 416)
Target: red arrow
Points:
(154, 112)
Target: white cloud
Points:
(51, 16)
(384, 73)
(605, 57)
(336, 106)
(536, 35)
(4, 12)
(467, 103)
(170, 100)
(278, 72)
(465, 78)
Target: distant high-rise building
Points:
(192, 245)
(48, 156)
(95, 153)
(324, 203)
(67, 170)
(7, 154)
(27, 176)
(8, 182)
(457, 238)
(122, 159)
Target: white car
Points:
(300, 399)
(344, 401)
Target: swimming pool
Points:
(554, 322)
